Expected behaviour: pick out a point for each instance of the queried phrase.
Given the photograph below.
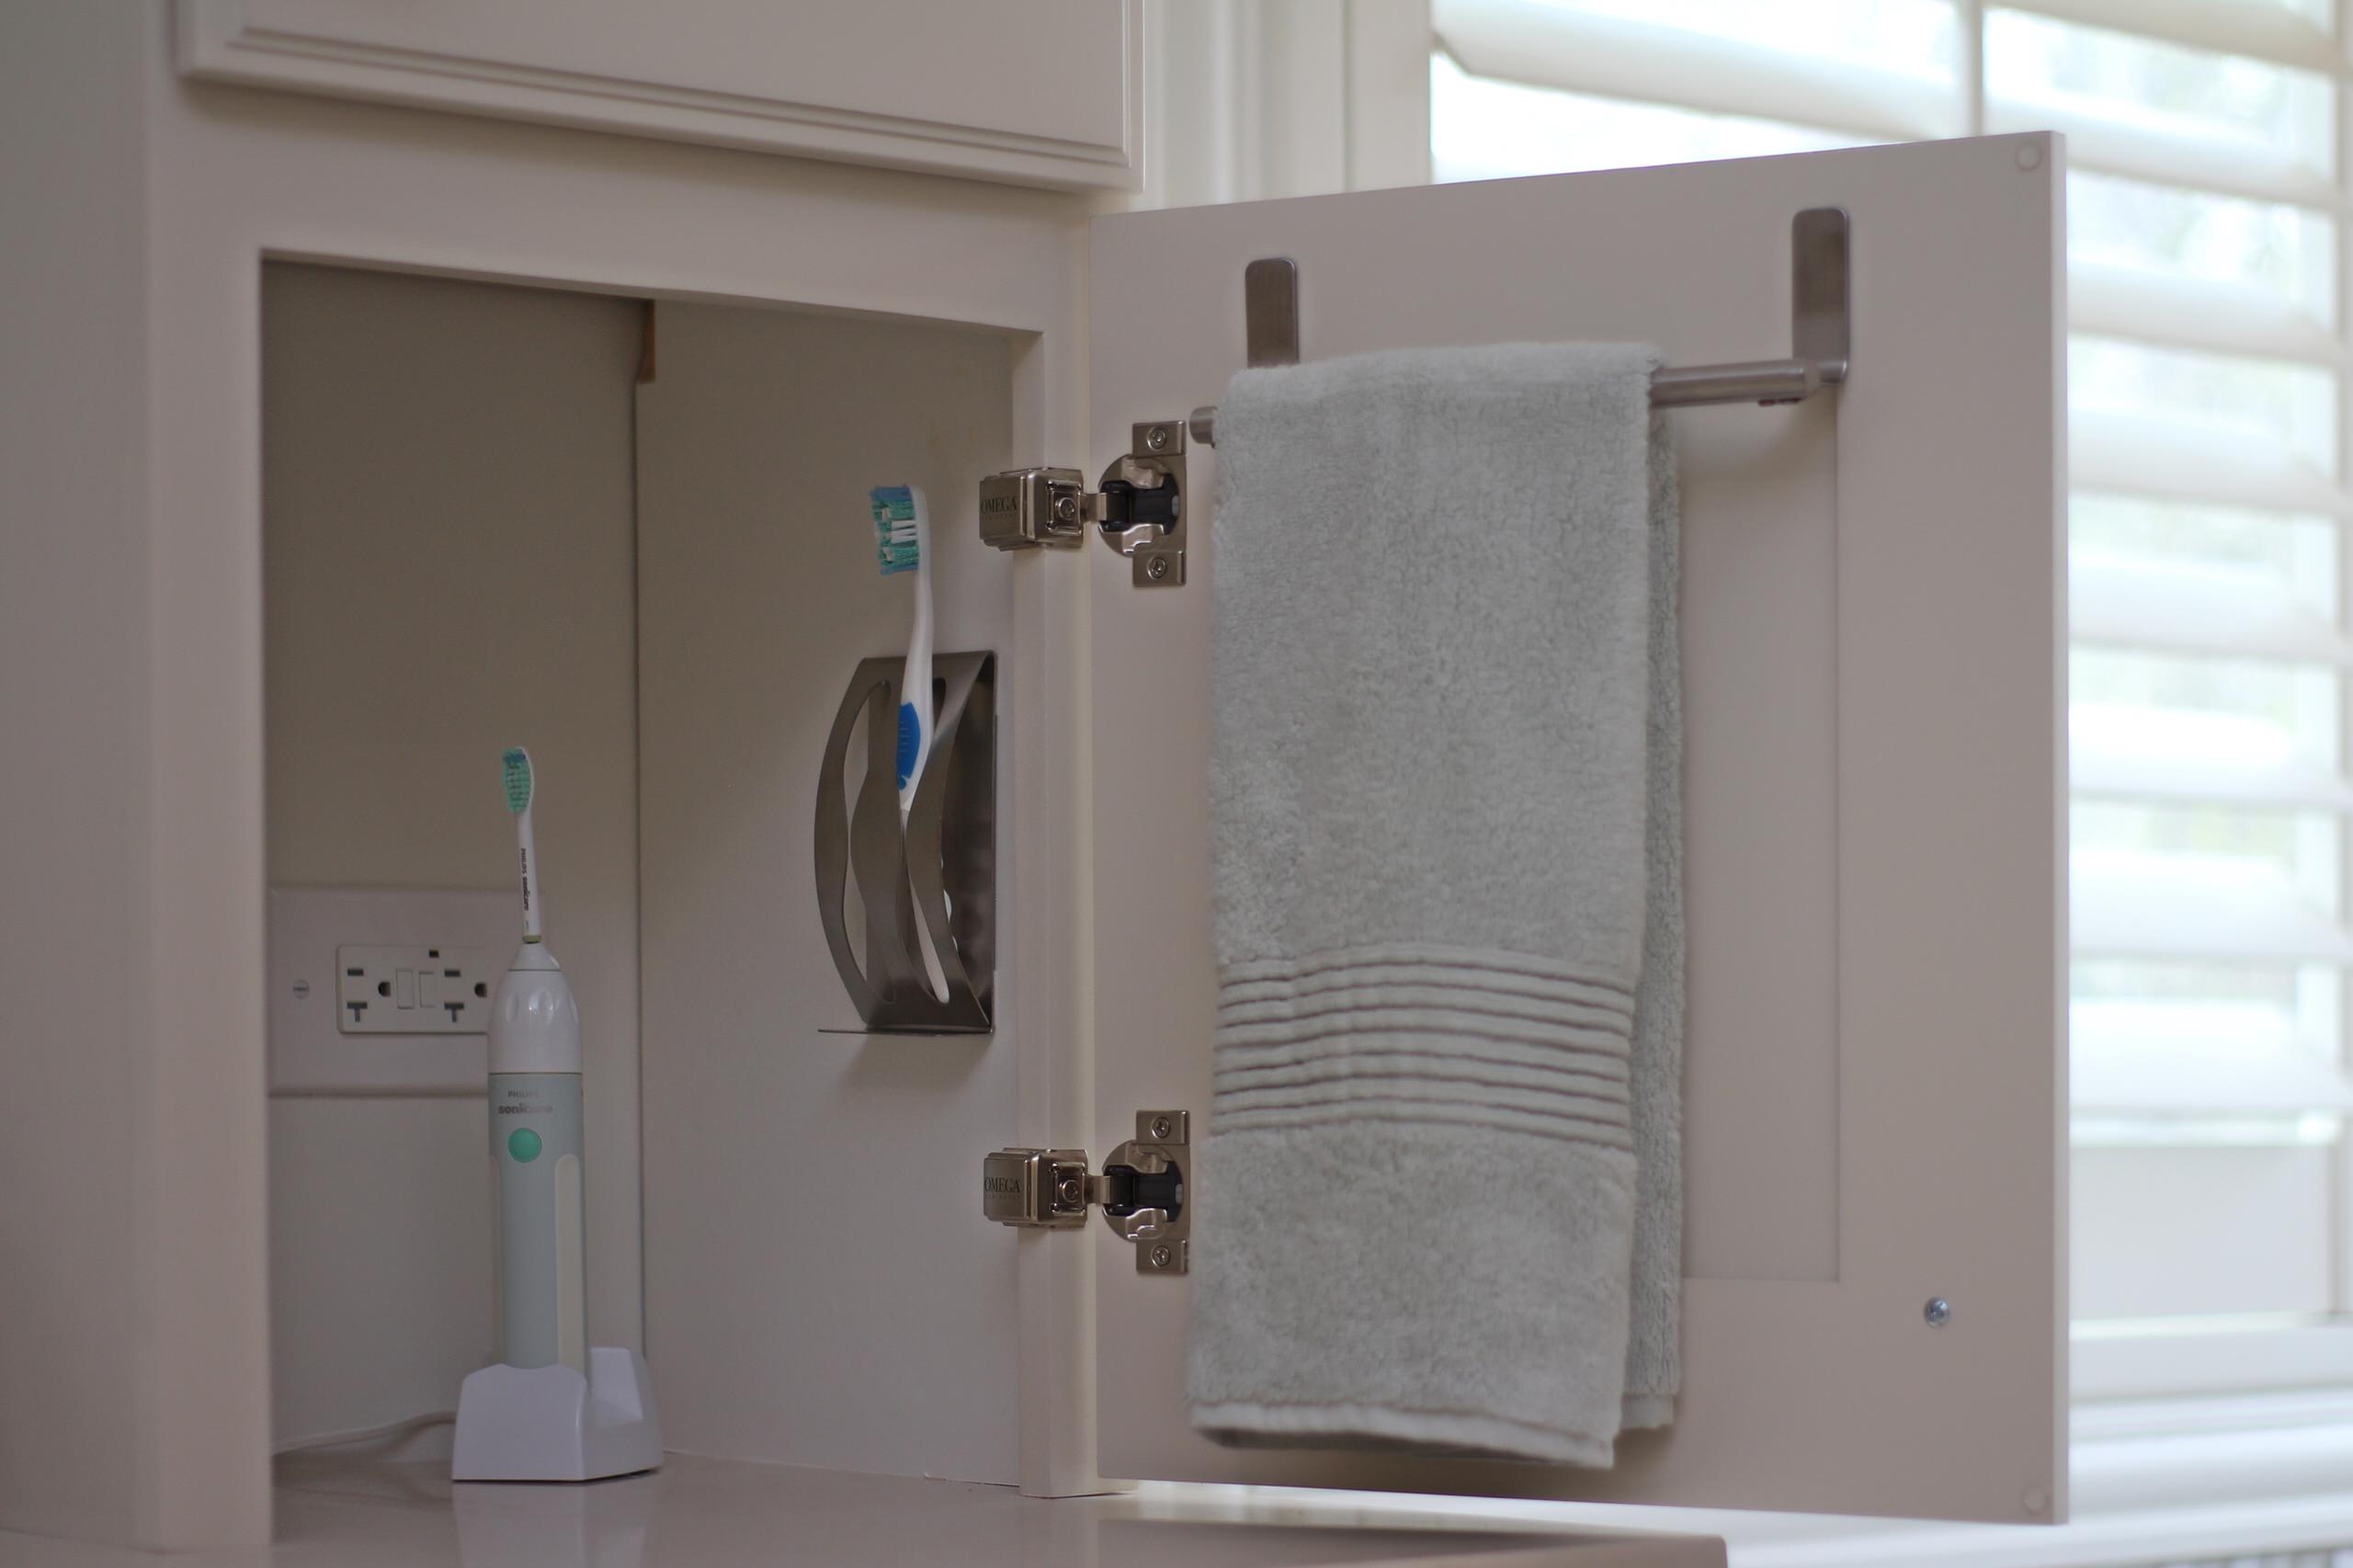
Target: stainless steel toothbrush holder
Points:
(937, 875)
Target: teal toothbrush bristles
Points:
(514, 772)
(894, 528)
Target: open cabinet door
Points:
(1875, 1066)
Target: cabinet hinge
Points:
(1138, 506)
(1141, 1189)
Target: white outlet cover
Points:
(313, 930)
(413, 989)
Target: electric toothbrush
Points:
(535, 1142)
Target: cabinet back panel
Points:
(820, 1288)
(447, 529)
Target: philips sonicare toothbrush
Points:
(535, 1131)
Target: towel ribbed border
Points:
(1254, 1422)
(1427, 1033)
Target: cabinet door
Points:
(1872, 632)
(1042, 92)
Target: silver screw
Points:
(1162, 1127)
(1938, 1312)
(1157, 439)
(1065, 508)
(1066, 1192)
(302, 990)
(1163, 1256)
(1156, 568)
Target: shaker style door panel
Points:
(1873, 694)
(1037, 92)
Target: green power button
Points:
(524, 1144)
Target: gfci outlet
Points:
(426, 990)
(385, 990)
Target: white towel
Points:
(1440, 1201)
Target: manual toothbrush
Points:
(902, 543)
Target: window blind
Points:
(2209, 652)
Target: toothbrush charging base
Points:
(551, 1423)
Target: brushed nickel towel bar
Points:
(1818, 331)
(1138, 506)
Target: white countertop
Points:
(336, 1511)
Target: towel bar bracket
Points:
(1270, 312)
(1141, 1190)
(1820, 335)
(1138, 503)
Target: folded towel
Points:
(1440, 1202)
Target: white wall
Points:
(821, 1289)
(76, 1171)
(449, 551)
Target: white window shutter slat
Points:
(2192, 312)
(2190, 906)
(1552, 46)
(2192, 460)
(2182, 607)
(2275, 33)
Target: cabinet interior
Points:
(635, 537)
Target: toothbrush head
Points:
(514, 772)
(898, 536)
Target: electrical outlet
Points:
(408, 990)
(333, 1032)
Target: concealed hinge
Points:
(1138, 506)
(1141, 1189)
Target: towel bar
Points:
(1818, 329)
(1138, 503)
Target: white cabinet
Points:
(1039, 92)
(1874, 685)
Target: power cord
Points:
(389, 1430)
